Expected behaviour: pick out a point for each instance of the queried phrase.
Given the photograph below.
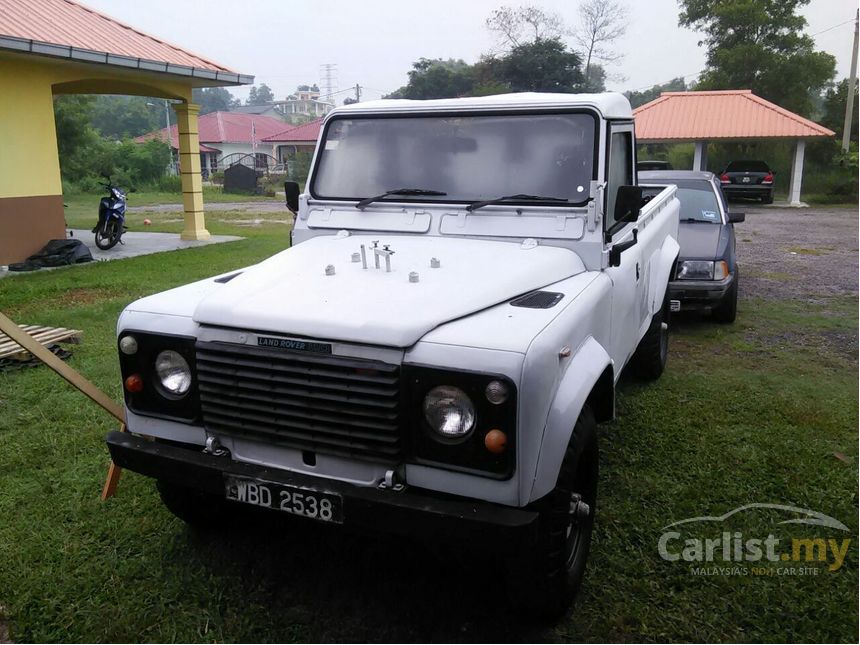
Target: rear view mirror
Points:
(628, 203)
(734, 218)
(291, 188)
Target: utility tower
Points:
(328, 81)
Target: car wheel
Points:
(727, 310)
(196, 508)
(767, 199)
(651, 355)
(544, 577)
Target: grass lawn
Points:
(87, 204)
(764, 410)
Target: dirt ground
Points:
(797, 253)
(806, 254)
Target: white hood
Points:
(291, 294)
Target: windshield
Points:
(698, 202)
(471, 158)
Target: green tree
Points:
(543, 65)
(436, 79)
(73, 115)
(261, 95)
(760, 45)
(118, 117)
(638, 98)
(833, 116)
(215, 99)
(595, 79)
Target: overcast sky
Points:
(373, 43)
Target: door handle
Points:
(617, 249)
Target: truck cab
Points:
(466, 281)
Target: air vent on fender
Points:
(538, 300)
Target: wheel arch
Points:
(589, 379)
(665, 261)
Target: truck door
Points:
(629, 279)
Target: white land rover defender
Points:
(466, 281)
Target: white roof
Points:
(611, 105)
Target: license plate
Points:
(326, 507)
(746, 180)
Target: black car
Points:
(706, 277)
(748, 179)
(652, 164)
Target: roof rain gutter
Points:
(90, 56)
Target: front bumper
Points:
(700, 293)
(412, 512)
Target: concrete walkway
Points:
(135, 244)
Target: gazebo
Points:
(725, 115)
(54, 47)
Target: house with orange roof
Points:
(300, 138)
(54, 47)
(227, 137)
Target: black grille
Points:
(325, 404)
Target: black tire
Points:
(650, 358)
(767, 199)
(108, 235)
(544, 577)
(197, 509)
(727, 310)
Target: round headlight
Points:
(449, 411)
(173, 372)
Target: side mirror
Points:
(735, 218)
(291, 188)
(628, 203)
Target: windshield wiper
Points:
(399, 191)
(696, 220)
(521, 198)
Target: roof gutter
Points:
(24, 45)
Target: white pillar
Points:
(700, 157)
(796, 174)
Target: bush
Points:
(300, 166)
(273, 183)
(169, 184)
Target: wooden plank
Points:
(113, 475)
(44, 354)
(44, 336)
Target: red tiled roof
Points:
(719, 114)
(306, 133)
(225, 127)
(63, 22)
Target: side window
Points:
(620, 171)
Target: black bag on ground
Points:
(55, 253)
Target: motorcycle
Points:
(111, 223)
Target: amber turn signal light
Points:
(496, 441)
(133, 383)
